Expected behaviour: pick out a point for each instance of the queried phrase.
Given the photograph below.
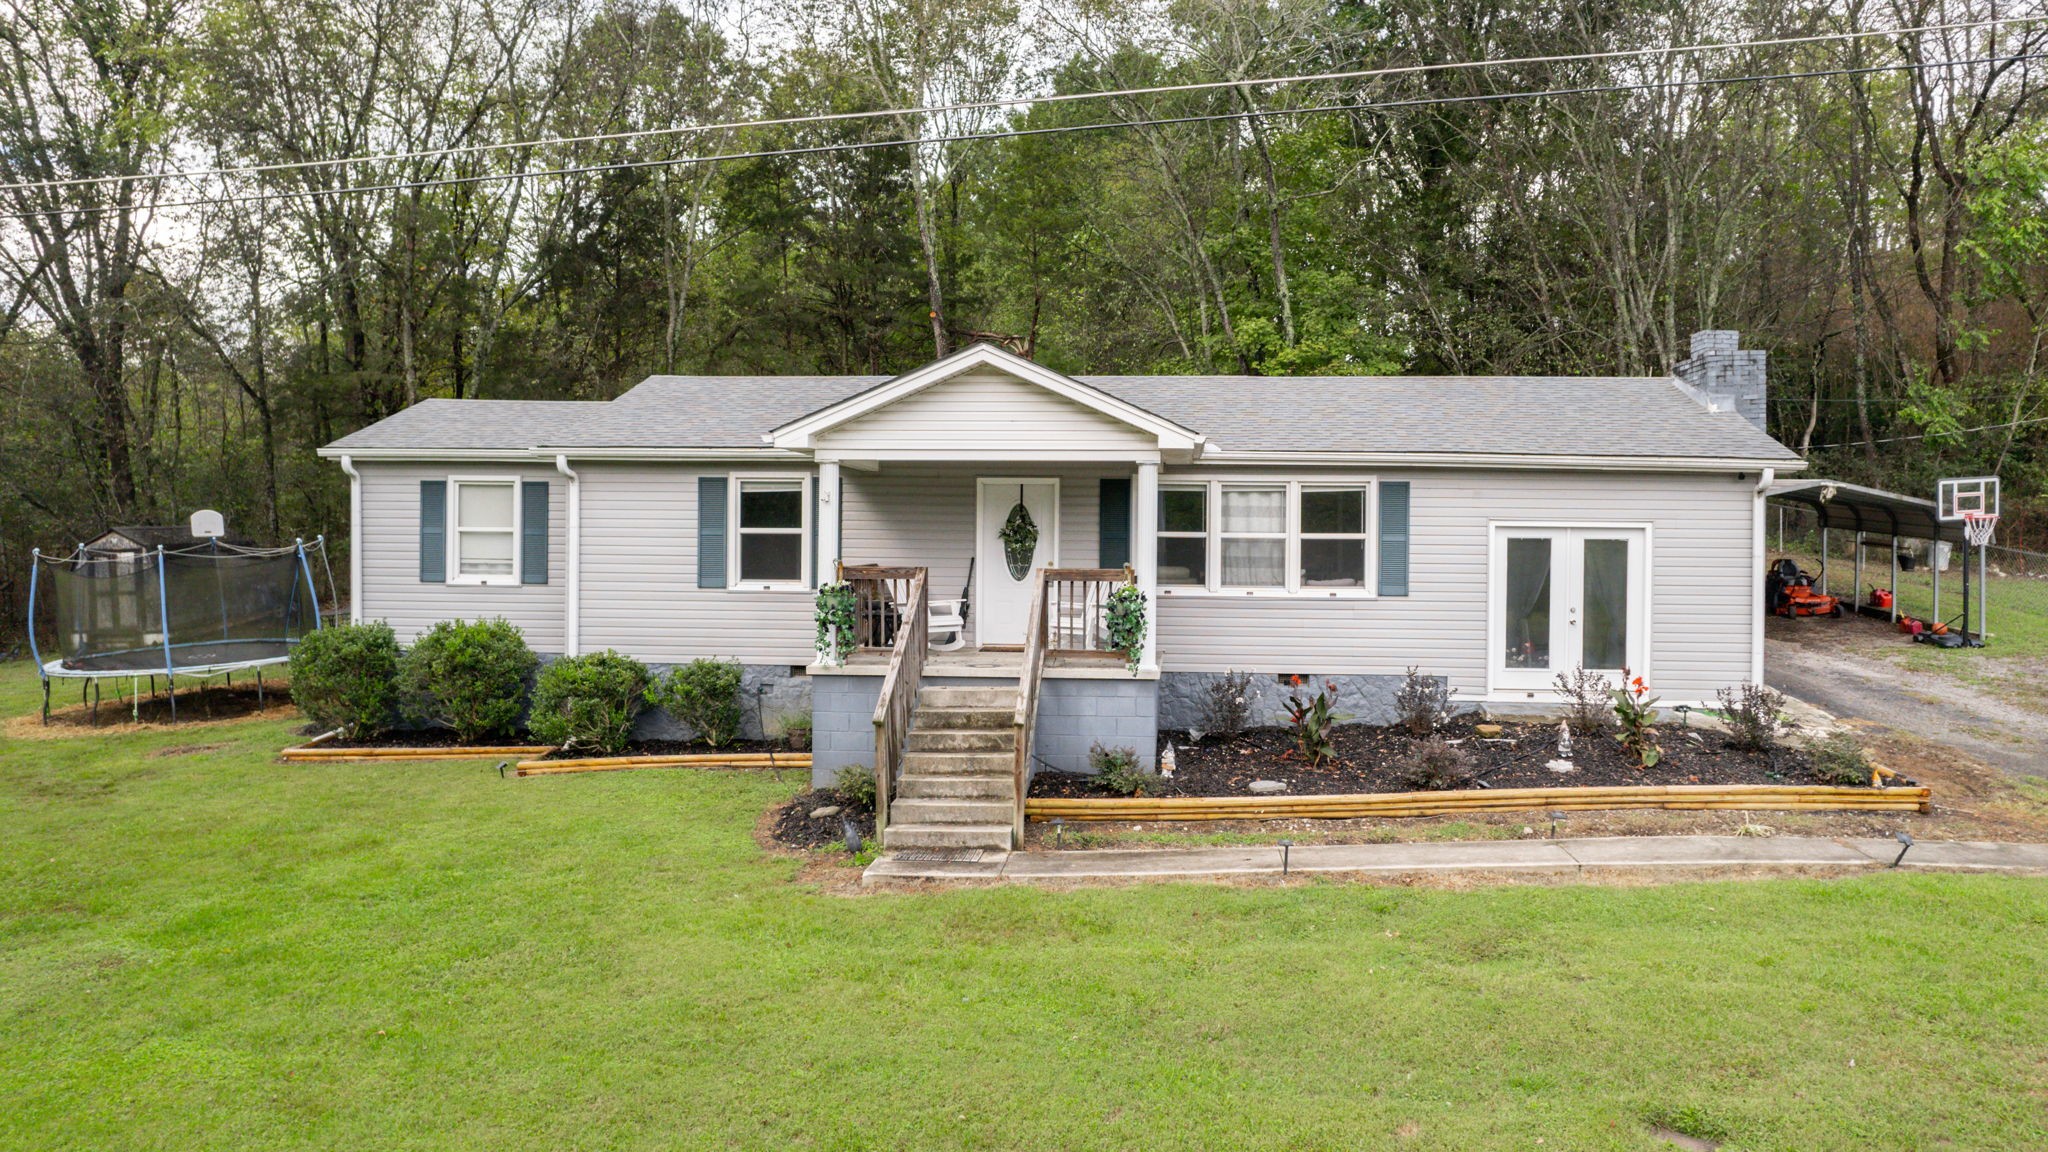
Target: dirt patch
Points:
(197, 707)
(185, 750)
(1370, 759)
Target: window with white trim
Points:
(484, 531)
(1253, 536)
(771, 532)
(1334, 522)
(1184, 534)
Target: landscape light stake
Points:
(1286, 849)
(1684, 715)
(1059, 832)
(1905, 840)
(1556, 818)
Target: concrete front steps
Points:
(956, 789)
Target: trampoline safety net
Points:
(158, 611)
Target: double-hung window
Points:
(1334, 522)
(771, 538)
(1293, 536)
(485, 531)
(1184, 534)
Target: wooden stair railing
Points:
(1025, 719)
(898, 697)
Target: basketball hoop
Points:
(1978, 526)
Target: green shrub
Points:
(704, 694)
(1436, 765)
(1117, 770)
(855, 785)
(346, 677)
(1839, 760)
(470, 676)
(589, 701)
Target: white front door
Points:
(1562, 598)
(1002, 590)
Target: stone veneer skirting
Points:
(1184, 698)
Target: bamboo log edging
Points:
(790, 760)
(1675, 797)
(305, 753)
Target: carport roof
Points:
(1856, 508)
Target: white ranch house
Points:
(1488, 530)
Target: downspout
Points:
(572, 622)
(355, 542)
(1756, 581)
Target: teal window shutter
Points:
(1394, 538)
(433, 532)
(533, 532)
(711, 531)
(1113, 548)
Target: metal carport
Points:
(1854, 508)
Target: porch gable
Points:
(984, 403)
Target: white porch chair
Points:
(949, 617)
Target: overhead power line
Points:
(1934, 435)
(1002, 134)
(1017, 101)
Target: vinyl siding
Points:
(640, 593)
(924, 514)
(392, 589)
(1702, 592)
(984, 413)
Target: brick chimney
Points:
(1728, 378)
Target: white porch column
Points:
(828, 520)
(1145, 551)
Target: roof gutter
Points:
(1508, 460)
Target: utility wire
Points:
(1933, 435)
(1002, 134)
(1015, 101)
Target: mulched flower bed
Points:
(678, 748)
(1369, 760)
(417, 738)
(792, 826)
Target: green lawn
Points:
(212, 950)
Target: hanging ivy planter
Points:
(1020, 539)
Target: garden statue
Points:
(1564, 740)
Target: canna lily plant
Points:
(1637, 711)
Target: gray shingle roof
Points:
(1603, 416)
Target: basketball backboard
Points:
(1958, 495)
(206, 523)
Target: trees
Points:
(169, 342)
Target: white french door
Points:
(1566, 597)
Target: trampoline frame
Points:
(170, 671)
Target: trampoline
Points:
(204, 611)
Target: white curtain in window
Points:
(1254, 510)
(1254, 563)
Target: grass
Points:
(213, 950)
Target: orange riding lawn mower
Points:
(1789, 591)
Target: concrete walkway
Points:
(1582, 857)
